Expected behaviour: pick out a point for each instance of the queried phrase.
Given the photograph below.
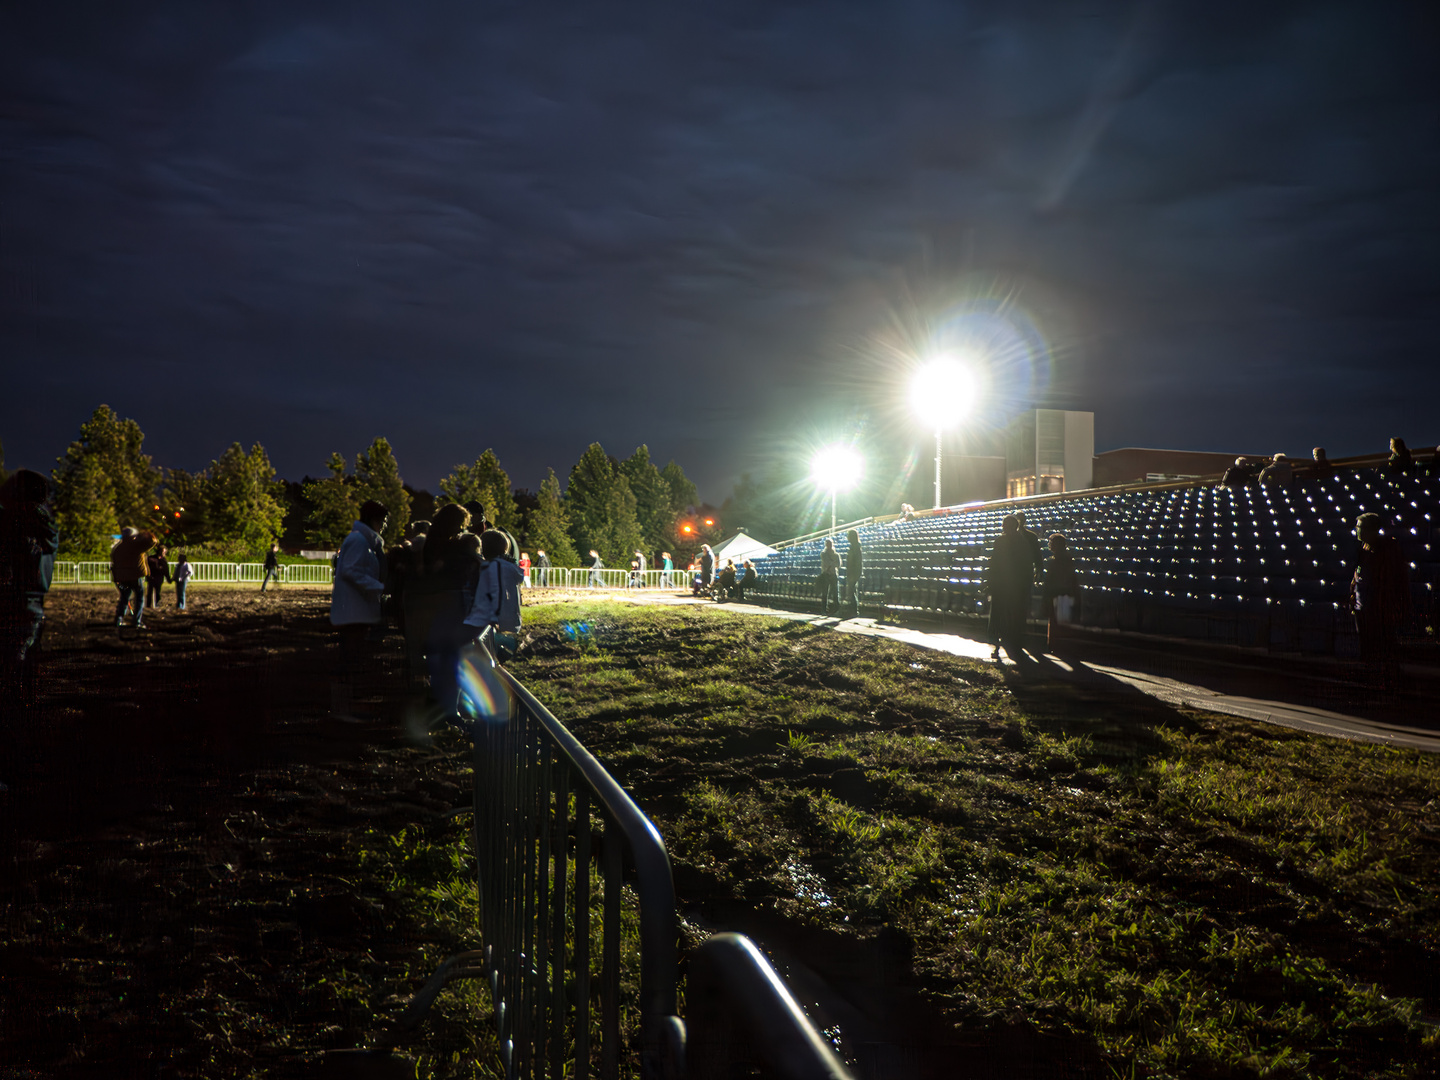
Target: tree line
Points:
(237, 507)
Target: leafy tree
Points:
(244, 503)
(490, 484)
(104, 480)
(85, 507)
(377, 476)
(652, 498)
(549, 525)
(336, 505)
(683, 493)
(587, 496)
(183, 506)
(620, 536)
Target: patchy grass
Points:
(1187, 894)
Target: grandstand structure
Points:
(1261, 567)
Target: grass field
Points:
(1167, 892)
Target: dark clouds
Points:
(530, 229)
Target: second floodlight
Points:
(941, 392)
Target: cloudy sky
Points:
(717, 229)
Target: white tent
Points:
(741, 547)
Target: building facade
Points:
(1049, 451)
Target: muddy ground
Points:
(190, 886)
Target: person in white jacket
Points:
(355, 601)
(497, 590)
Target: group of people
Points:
(140, 569)
(445, 584)
(1280, 471)
(1017, 564)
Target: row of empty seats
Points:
(1263, 566)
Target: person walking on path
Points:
(854, 572)
(355, 602)
(28, 541)
(595, 568)
(542, 565)
(128, 567)
(272, 567)
(829, 579)
(181, 576)
(1012, 572)
(157, 574)
(525, 568)
(667, 571)
(1062, 591)
(1380, 598)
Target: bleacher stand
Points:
(1265, 567)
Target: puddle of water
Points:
(808, 885)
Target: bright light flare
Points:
(942, 392)
(836, 468)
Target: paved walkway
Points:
(1164, 688)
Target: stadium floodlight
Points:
(835, 469)
(941, 393)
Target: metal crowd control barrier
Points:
(316, 573)
(560, 846)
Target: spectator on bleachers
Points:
(28, 541)
(1278, 472)
(906, 511)
(355, 603)
(128, 569)
(854, 572)
(1320, 466)
(1400, 460)
(1379, 595)
(1011, 573)
(1240, 474)
(725, 582)
(747, 580)
(1062, 590)
(829, 579)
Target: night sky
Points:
(717, 229)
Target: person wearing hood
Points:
(355, 600)
(497, 588)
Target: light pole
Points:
(834, 469)
(941, 393)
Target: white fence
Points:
(320, 573)
(90, 573)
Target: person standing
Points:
(854, 572)
(28, 541)
(667, 571)
(1012, 572)
(181, 576)
(1062, 590)
(128, 567)
(1380, 597)
(497, 591)
(157, 574)
(829, 579)
(707, 566)
(542, 564)
(355, 602)
(595, 568)
(525, 568)
(272, 566)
